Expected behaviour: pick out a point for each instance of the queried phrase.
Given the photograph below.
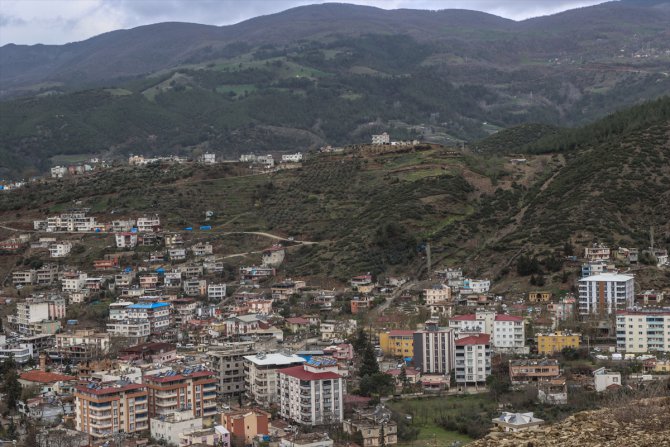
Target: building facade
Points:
(473, 359)
(606, 293)
(193, 389)
(550, 343)
(261, 375)
(312, 394)
(643, 330)
(434, 350)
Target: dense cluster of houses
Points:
(196, 353)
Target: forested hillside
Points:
(325, 74)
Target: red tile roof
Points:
(481, 339)
(502, 317)
(400, 333)
(110, 389)
(299, 372)
(467, 317)
(44, 377)
(297, 320)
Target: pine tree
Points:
(369, 365)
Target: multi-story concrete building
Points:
(530, 370)
(216, 291)
(190, 388)
(606, 293)
(397, 343)
(434, 350)
(168, 427)
(382, 138)
(473, 359)
(35, 310)
(20, 352)
(103, 409)
(261, 375)
(126, 239)
(437, 293)
(507, 331)
(60, 249)
(643, 330)
(597, 252)
(592, 268)
(312, 394)
(475, 286)
(292, 158)
(70, 222)
(136, 331)
(99, 341)
(556, 342)
(246, 424)
(149, 224)
(158, 315)
(228, 364)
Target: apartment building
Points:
(167, 428)
(437, 293)
(597, 252)
(73, 282)
(592, 268)
(202, 249)
(136, 331)
(539, 297)
(60, 249)
(103, 409)
(507, 331)
(190, 388)
(126, 239)
(98, 341)
(434, 350)
(45, 275)
(397, 343)
(550, 343)
(643, 331)
(261, 375)
(312, 393)
(157, 314)
(216, 291)
(228, 364)
(70, 222)
(606, 293)
(475, 286)
(194, 287)
(531, 370)
(245, 425)
(473, 359)
(149, 224)
(36, 310)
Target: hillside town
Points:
(158, 342)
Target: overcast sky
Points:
(62, 21)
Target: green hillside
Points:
(326, 74)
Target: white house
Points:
(208, 158)
(168, 427)
(216, 291)
(383, 138)
(292, 158)
(148, 224)
(604, 379)
(60, 249)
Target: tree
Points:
(403, 376)
(369, 365)
(360, 342)
(12, 388)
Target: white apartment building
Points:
(473, 359)
(137, 330)
(126, 239)
(507, 332)
(216, 291)
(475, 286)
(70, 222)
(158, 315)
(382, 138)
(121, 226)
(148, 224)
(21, 352)
(60, 249)
(292, 158)
(261, 375)
(437, 293)
(169, 427)
(202, 249)
(74, 284)
(312, 394)
(36, 310)
(434, 350)
(58, 171)
(643, 331)
(208, 158)
(118, 310)
(177, 254)
(606, 293)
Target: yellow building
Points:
(539, 297)
(556, 342)
(397, 343)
